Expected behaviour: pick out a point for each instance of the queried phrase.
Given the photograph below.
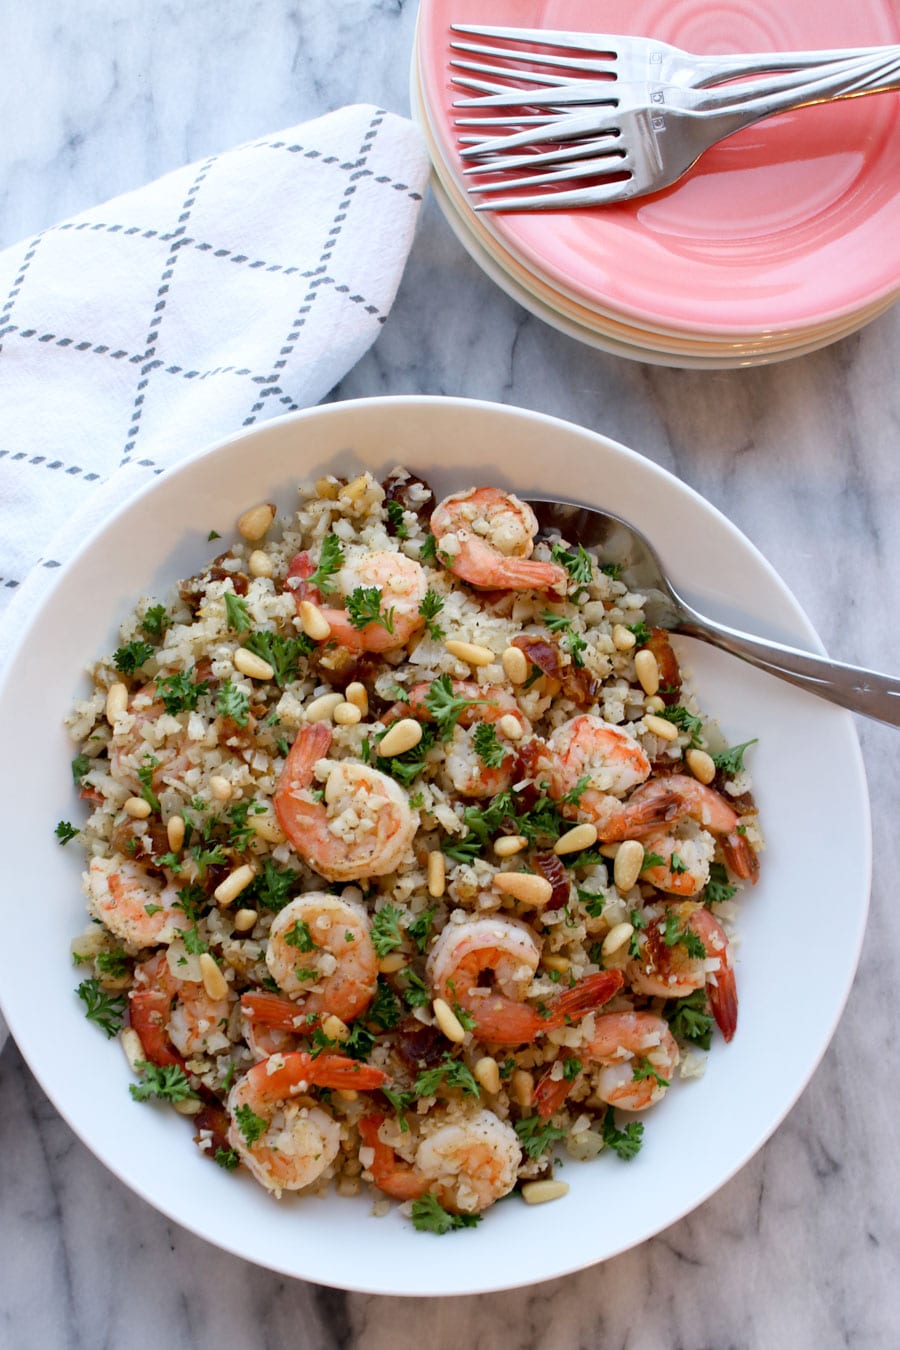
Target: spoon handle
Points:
(862, 691)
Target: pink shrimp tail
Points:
(550, 1094)
(641, 817)
(271, 1010)
(312, 743)
(723, 1001)
(148, 1014)
(503, 1021)
(391, 1176)
(740, 857)
(298, 1067)
(587, 995)
(486, 570)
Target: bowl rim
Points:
(802, 628)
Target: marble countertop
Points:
(801, 1248)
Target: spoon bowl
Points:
(616, 541)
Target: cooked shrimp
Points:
(490, 703)
(684, 869)
(288, 1143)
(711, 810)
(362, 828)
(166, 1011)
(135, 745)
(637, 1055)
(601, 763)
(320, 949)
(402, 584)
(671, 965)
(135, 905)
(488, 537)
(467, 1160)
(465, 953)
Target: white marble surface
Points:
(802, 1247)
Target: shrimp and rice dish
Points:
(411, 861)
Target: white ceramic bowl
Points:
(807, 769)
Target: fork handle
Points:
(862, 691)
(712, 69)
(730, 114)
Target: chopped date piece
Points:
(214, 1119)
(192, 589)
(577, 682)
(553, 869)
(397, 489)
(669, 670)
(418, 1046)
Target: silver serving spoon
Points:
(862, 691)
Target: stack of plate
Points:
(780, 240)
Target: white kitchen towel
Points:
(229, 291)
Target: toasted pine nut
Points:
(521, 1085)
(116, 701)
(556, 962)
(578, 838)
(539, 1192)
(646, 668)
(175, 832)
(244, 920)
(515, 663)
(253, 524)
(628, 864)
(470, 652)
(654, 705)
(251, 665)
(661, 727)
(617, 936)
(220, 787)
(267, 828)
(137, 808)
(355, 488)
(511, 727)
(347, 1094)
(701, 765)
(327, 489)
(188, 1106)
(357, 694)
(609, 850)
(347, 715)
(214, 982)
(334, 1028)
(321, 709)
(487, 1072)
(390, 964)
(131, 1044)
(313, 621)
(437, 873)
(259, 564)
(526, 887)
(448, 1021)
(236, 881)
(508, 844)
(623, 640)
(400, 736)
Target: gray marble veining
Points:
(802, 1247)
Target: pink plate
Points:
(790, 224)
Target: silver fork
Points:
(633, 59)
(651, 137)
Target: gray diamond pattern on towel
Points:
(229, 291)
